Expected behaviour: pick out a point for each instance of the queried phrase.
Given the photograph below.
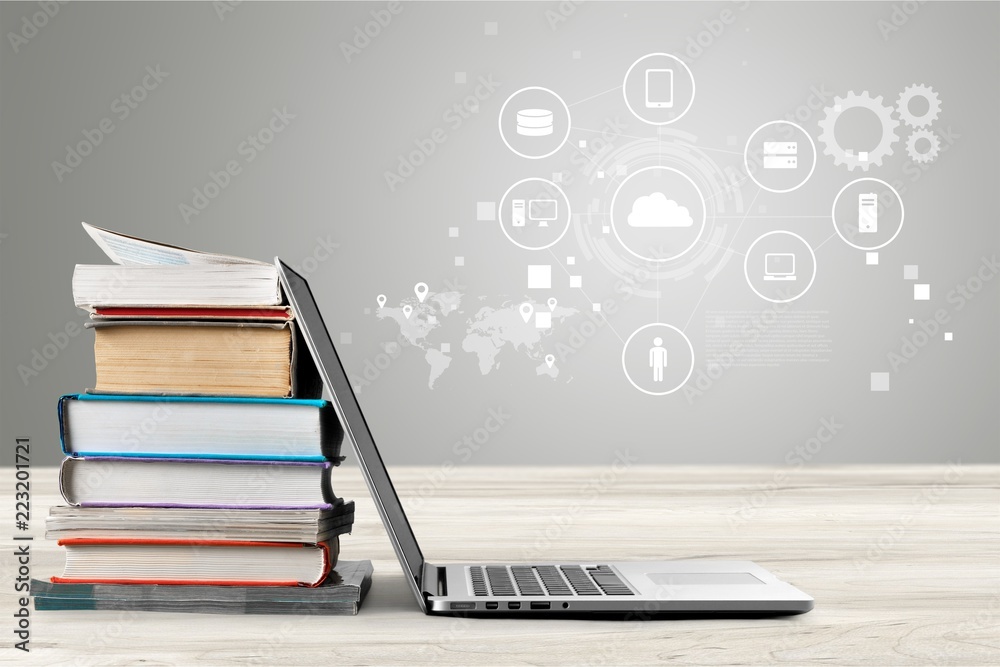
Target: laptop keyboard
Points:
(531, 580)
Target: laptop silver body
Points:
(626, 589)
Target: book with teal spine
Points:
(209, 427)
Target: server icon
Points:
(517, 213)
(534, 122)
(868, 213)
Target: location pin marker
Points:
(420, 289)
(552, 303)
(407, 310)
(381, 300)
(550, 359)
(526, 311)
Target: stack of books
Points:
(202, 457)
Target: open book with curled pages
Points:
(150, 274)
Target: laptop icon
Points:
(587, 588)
(779, 266)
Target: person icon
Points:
(657, 359)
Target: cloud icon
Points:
(656, 210)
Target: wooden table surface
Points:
(904, 563)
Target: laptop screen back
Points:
(355, 427)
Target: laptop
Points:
(594, 588)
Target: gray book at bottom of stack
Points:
(341, 594)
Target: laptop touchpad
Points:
(702, 578)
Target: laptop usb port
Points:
(492, 605)
(541, 605)
(513, 605)
(463, 605)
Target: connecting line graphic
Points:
(589, 301)
(824, 241)
(735, 234)
(587, 99)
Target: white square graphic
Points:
(571, 260)
(486, 210)
(911, 320)
(949, 336)
(459, 261)
(596, 307)
(576, 281)
(600, 174)
(557, 177)
(543, 320)
(539, 276)
(606, 229)
(880, 382)
(582, 143)
(921, 292)
(910, 271)
(620, 170)
(863, 156)
(453, 232)
(871, 258)
(446, 347)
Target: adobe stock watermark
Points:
(32, 23)
(712, 30)
(543, 538)
(454, 117)
(40, 358)
(927, 498)
(796, 458)
(121, 108)
(224, 7)
(899, 15)
(463, 451)
(563, 12)
(958, 298)
(364, 34)
(321, 252)
(247, 151)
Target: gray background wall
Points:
(323, 178)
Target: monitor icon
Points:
(543, 211)
(779, 266)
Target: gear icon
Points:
(849, 158)
(929, 154)
(933, 105)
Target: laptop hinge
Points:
(435, 580)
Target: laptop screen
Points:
(355, 427)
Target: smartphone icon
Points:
(517, 213)
(659, 88)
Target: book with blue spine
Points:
(210, 427)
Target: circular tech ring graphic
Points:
(704, 214)
(568, 215)
(908, 95)
(746, 150)
(507, 143)
(746, 267)
(625, 88)
(902, 214)
(853, 101)
(625, 364)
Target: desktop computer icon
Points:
(868, 213)
(517, 213)
(779, 266)
(543, 211)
